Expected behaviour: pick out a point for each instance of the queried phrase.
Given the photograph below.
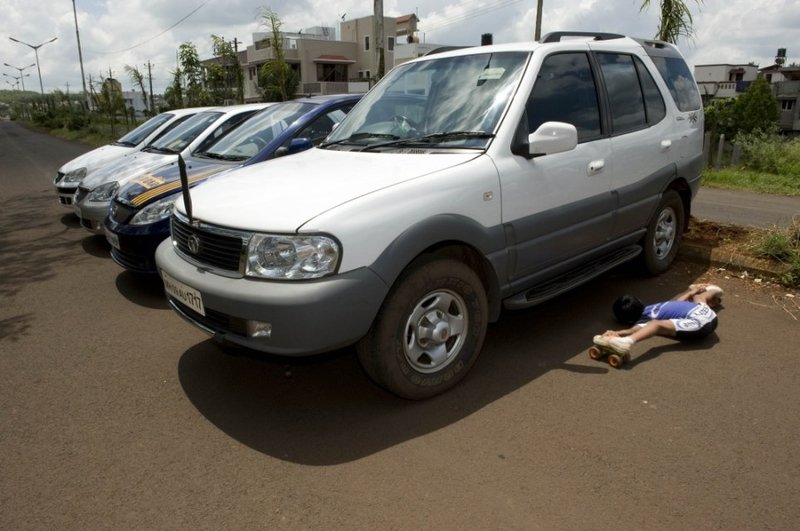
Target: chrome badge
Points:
(193, 243)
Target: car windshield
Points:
(253, 135)
(137, 136)
(176, 140)
(444, 102)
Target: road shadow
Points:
(15, 328)
(33, 245)
(326, 411)
(144, 290)
(96, 245)
(71, 221)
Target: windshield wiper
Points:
(433, 138)
(153, 149)
(358, 136)
(128, 144)
(221, 156)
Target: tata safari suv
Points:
(463, 183)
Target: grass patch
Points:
(752, 181)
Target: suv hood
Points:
(282, 194)
(96, 158)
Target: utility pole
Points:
(80, 55)
(538, 34)
(150, 78)
(378, 27)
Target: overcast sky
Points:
(116, 33)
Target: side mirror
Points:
(552, 137)
(296, 145)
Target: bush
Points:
(782, 245)
(770, 153)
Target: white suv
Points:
(462, 183)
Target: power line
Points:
(472, 14)
(195, 10)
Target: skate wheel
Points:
(626, 358)
(595, 353)
(615, 360)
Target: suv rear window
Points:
(680, 82)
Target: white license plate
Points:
(112, 238)
(185, 294)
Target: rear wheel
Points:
(429, 330)
(664, 234)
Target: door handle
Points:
(596, 166)
(665, 145)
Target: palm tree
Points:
(675, 20)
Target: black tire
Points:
(442, 300)
(664, 234)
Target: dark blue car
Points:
(138, 219)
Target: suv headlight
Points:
(156, 211)
(103, 193)
(291, 257)
(75, 176)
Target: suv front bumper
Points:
(305, 317)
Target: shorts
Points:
(693, 328)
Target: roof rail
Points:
(556, 36)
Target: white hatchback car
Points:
(462, 183)
(73, 172)
(199, 132)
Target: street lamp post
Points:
(20, 71)
(17, 79)
(36, 52)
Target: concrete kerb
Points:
(712, 256)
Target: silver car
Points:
(73, 172)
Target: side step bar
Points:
(571, 279)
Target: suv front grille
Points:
(220, 248)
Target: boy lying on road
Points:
(688, 315)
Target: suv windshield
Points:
(176, 140)
(253, 135)
(446, 102)
(137, 136)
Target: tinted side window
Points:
(624, 94)
(565, 91)
(680, 82)
(653, 102)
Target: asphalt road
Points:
(115, 414)
(746, 208)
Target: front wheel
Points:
(664, 234)
(429, 330)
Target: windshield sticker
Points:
(492, 73)
(149, 181)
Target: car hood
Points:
(96, 158)
(124, 169)
(281, 195)
(166, 180)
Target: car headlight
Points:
(75, 176)
(156, 211)
(103, 193)
(291, 257)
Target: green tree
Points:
(674, 21)
(173, 94)
(225, 78)
(277, 81)
(195, 93)
(720, 118)
(756, 109)
(138, 79)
